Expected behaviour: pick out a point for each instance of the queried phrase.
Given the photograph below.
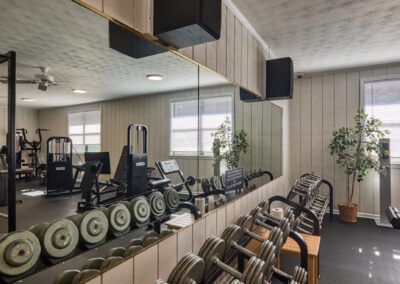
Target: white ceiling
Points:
(328, 34)
(73, 43)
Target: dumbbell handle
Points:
(242, 250)
(262, 224)
(225, 267)
(253, 235)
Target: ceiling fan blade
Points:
(27, 82)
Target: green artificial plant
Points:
(357, 150)
(228, 145)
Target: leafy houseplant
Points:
(228, 145)
(357, 150)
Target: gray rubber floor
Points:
(357, 253)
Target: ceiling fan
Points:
(44, 80)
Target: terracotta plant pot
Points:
(348, 212)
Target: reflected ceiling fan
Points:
(44, 80)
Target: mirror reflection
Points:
(100, 131)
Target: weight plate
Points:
(150, 234)
(268, 255)
(119, 217)
(19, 252)
(194, 271)
(93, 226)
(59, 238)
(264, 205)
(84, 276)
(135, 242)
(132, 250)
(110, 262)
(160, 281)
(140, 210)
(190, 180)
(217, 184)
(117, 251)
(234, 235)
(205, 185)
(166, 233)
(171, 197)
(255, 212)
(180, 274)
(284, 225)
(215, 248)
(258, 273)
(222, 179)
(245, 221)
(66, 277)
(253, 274)
(276, 237)
(157, 204)
(93, 263)
(181, 265)
(150, 240)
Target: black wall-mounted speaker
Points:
(279, 79)
(183, 23)
(130, 43)
(249, 97)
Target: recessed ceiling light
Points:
(154, 77)
(79, 91)
(27, 100)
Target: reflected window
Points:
(185, 140)
(84, 128)
(382, 101)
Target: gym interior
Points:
(195, 141)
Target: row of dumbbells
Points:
(21, 251)
(307, 190)
(94, 266)
(216, 253)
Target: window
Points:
(84, 129)
(382, 100)
(184, 138)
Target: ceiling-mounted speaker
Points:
(131, 44)
(183, 23)
(279, 79)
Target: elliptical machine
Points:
(33, 146)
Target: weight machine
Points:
(59, 166)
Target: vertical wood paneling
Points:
(294, 110)
(230, 45)
(122, 10)
(143, 16)
(221, 44)
(212, 55)
(244, 57)
(328, 125)
(187, 51)
(353, 103)
(200, 53)
(238, 51)
(316, 124)
(305, 126)
(340, 121)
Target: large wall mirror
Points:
(70, 83)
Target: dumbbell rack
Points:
(242, 258)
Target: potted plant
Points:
(228, 145)
(357, 150)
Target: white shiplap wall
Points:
(322, 103)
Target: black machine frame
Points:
(56, 185)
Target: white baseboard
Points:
(361, 215)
